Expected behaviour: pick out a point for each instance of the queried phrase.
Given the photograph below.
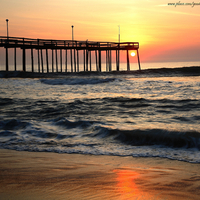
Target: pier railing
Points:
(54, 45)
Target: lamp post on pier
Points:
(72, 33)
(7, 27)
(7, 47)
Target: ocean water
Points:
(152, 114)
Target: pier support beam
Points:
(60, 60)
(86, 56)
(128, 63)
(42, 61)
(77, 61)
(117, 60)
(71, 60)
(15, 58)
(66, 60)
(90, 60)
(52, 61)
(99, 60)
(38, 41)
(56, 60)
(47, 60)
(74, 60)
(84, 59)
(38, 60)
(7, 59)
(24, 59)
(32, 60)
(96, 60)
(110, 60)
(138, 59)
(107, 65)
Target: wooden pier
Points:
(73, 47)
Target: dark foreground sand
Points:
(30, 175)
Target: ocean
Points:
(153, 113)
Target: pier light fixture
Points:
(72, 33)
(7, 26)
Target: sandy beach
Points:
(31, 175)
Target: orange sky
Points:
(165, 33)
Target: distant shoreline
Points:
(180, 71)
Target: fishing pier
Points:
(69, 52)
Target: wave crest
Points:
(148, 137)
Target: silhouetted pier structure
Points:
(72, 47)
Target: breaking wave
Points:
(92, 137)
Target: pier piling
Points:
(7, 59)
(71, 60)
(66, 60)
(74, 60)
(56, 60)
(47, 61)
(42, 60)
(128, 64)
(84, 60)
(77, 61)
(32, 60)
(138, 59)
(96, 60)
(24, 60)
(60, 60)
(90, 55)
(52, 65)
(15, 58)
(99, 61)
(38, 60)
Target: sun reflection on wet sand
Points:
(127, 187)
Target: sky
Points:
(165, 33)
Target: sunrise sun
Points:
(132, 53)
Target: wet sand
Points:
(38, 175)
